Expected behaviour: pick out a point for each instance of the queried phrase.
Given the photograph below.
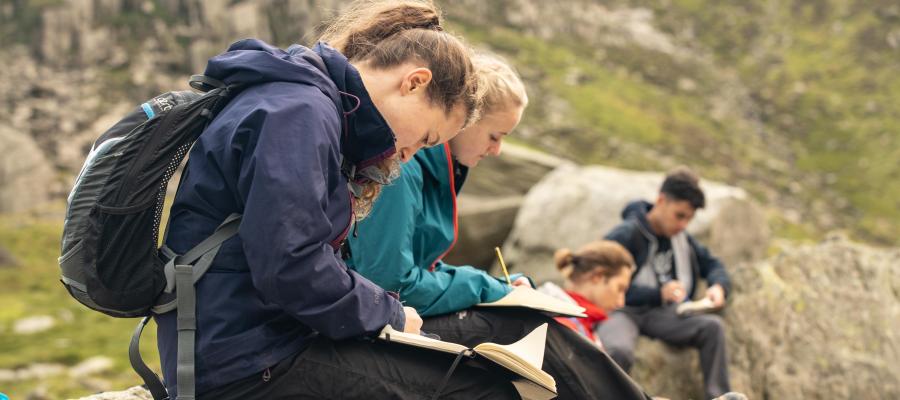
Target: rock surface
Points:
(574, 205)
(135, 393)
(32, 325)
(490, 200)
(7, 259)
(815, 322)
(26, 176)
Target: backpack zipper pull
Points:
(267, 375)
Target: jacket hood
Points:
(366, 139)
(252, 61)
(638, 209)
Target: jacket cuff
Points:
(398, 319)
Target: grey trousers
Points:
(706, 332)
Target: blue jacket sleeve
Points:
(710, 267)
(383, 252)
(286, 172)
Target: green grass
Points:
(603, 104)
(821, 73)
(32, 288)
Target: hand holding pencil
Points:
(520, 281)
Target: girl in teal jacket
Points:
(413, 224)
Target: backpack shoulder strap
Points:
(182, 272)
(189, 268)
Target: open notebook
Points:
(524, 296)
(704, 305)
(523, 358)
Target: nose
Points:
(407, 153)
(494, 150)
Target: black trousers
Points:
(705, 332)
(581, 370)
(357, 369)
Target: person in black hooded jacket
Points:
(669, 264)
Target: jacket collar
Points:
(437, 163)
(367, 139)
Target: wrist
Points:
(398, 319)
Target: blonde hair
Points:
(606, 257)
(499, 86)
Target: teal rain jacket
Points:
(413, 224)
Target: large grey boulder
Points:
(490, 201)
(814, 322)
(575, 205)
(26, 177)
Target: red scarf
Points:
(595, 315)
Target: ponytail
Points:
(389, 33)
(603, 257)
(564, 260)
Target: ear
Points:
(660, 199)
(415, 81)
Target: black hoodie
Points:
(636, 235)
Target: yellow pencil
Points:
(503, 265)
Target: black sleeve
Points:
(711, 268)
(628, 236)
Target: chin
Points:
(470, 163)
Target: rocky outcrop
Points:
(26, 176)
(815, 322)
(490, 201)
(7, 259)
(135, 393)
(575, 205)
(73, 68)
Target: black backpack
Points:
(110, 259)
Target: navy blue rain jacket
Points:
(629, 235)
(274, 155)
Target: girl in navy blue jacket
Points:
(301, 152)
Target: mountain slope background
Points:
(795, 101)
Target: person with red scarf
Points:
(596, 277)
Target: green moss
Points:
(604, 104)
(33, 289)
